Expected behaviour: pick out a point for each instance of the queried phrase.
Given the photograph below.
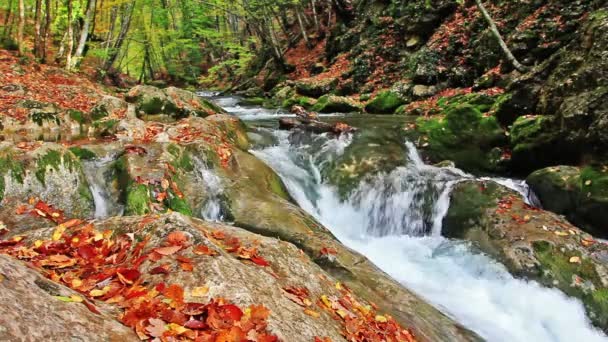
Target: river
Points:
(395, 220)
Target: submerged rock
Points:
(531, 243)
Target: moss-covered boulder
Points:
(580, 194)
(48, 172)
(108, 106)
(464, 135)
(336, 104)
(370, 152)
(531, 243)
(314, 87)
(297, 100)
(173, 102)
(385, 102)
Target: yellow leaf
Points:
(200, 291)
(341, 313)
(560, 233)
(575, 260)
(58, 232)
(381, 319)
(312, 313)
(76, 283)
(98, 292)
(588, 182)
(38, 243)
(326, 301)
(177, 328)
(76, 299)
(339, 286)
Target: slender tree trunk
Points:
(303, 29)
(501, 42)
(38, 31)
(47, 30)
(70, 38)
(5, 30)
(84, 34)
(20, 38)
(313, 5)
(125, 24)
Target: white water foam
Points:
(95, 173)
(469, 286)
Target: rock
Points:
(173, 102)
(580, 194)
(336, 104)
(46, 171)
(531, 243)
(464, 136)
(316, 88)
(385, 102)
(252, 101)
(314, 126)
(109, 106)
(420, 91)
(31, 310)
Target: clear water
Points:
(96, 172)
(395, 220)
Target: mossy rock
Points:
(296, 100)
(580, 194)
(316, 87)
(473, 141)
(385, 102)
(252, 101)
(336, 104)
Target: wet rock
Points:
(580, 194)
(385, 102)
(49, 172)
(466, 136)
(420, 91)
(336, 104)
(316, 87)
(31, 310)
(173, 102)
(531, 243)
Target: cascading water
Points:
(212, 210)
(106, 202)
(395, 220)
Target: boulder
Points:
(45, 172)
(466, 136)
(336, 104)
(531, 243)
(385, 102)
(313, 87)
(35, 308)
(173, 102)
(578, 193)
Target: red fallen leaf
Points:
(128, 275)
(87, 252)
(235, 334)
(195, 324)
(218, 235)
(187, 267)
(230, 311)
(258, 260)
(167, 250)
(323, 339)
(259, 313)
(160, 287)
(204, 250)
(161, 196)
(328, 251)
(72, 223)
(177, 238)
(175, 293)
(176, 190)
(91, 307)
(163, 269)
(193, 309)
(269, 338)
(136, 293)
(22, 209)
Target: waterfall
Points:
(97, 173)
(395, 220)
(212, 209)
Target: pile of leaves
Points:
(42, 83)
(102, 266)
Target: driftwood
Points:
(309, 121)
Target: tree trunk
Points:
(47, 30)
(70, 38)
(518, 66)
(84, 34)
(37, 29)
(303, 29)
(125, 23)
(20, 37)
(6, 31)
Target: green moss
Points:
(99, 112)
(83, 153)
(297, 100)
(152, 105)
(77, 116)
(594, 182)
(53, 160)
(277, 186)
(12, 168)
(41, 117)
(137, 199)
(557, 270)
(385, 102)
(253, 101)
(179, 205)
(336, 104)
